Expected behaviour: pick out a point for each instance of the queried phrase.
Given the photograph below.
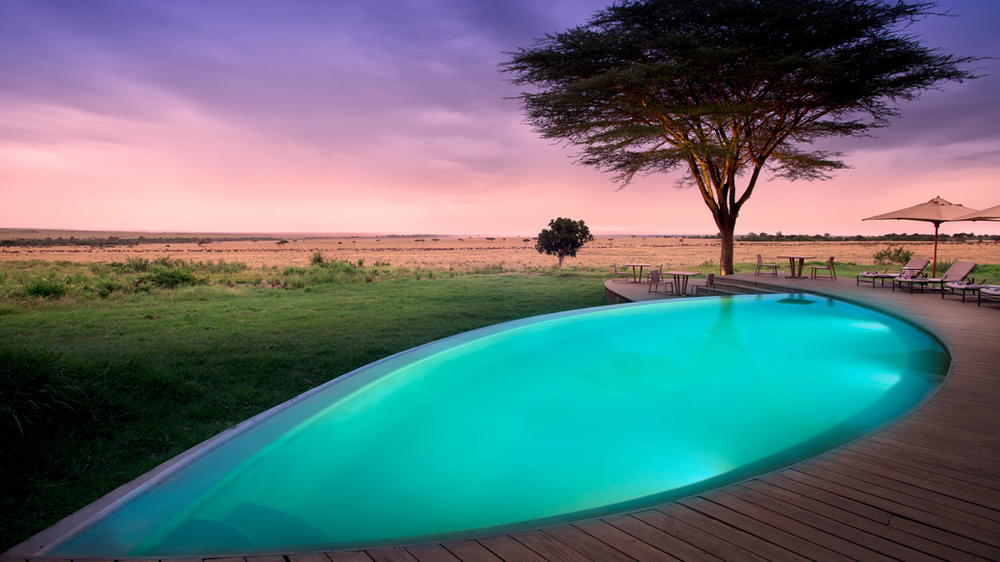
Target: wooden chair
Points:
(761, 265)
(828, 267)
(655, 280)
(708, 288)
(616, 274)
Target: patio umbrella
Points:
(991, 214)
(936, 210)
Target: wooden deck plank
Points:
(917, 464)
(470, 551)
(948, 436)
(349, 556)
(587, 544)
(707, 534)
(800, 484)
(316, 557)
(920, 498)
(390, 554)
(929, 529)
(801, 523)
(962, 460)
(927, 426)
(898, 544)
(509, 550)
(952, 468)
(623, 542)
(548, 547)
(659, 539)
(760, 531)
(942, 487)
(431, 553)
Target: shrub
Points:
(171, 278)
(105, 287)
(899, 255)
(132, 265)
(317, 258)
(44, 288)
(34, 384)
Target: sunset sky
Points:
(389, 117)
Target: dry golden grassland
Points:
(468, 253)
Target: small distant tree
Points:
(281, 243)
(563, 238)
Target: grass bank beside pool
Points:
(158, 373)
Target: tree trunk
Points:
(727, 227)
(561, 259)
(726, 251)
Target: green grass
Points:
(160, 372)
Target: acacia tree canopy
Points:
(563, 238)
(727, 89)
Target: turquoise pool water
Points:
(537, 421)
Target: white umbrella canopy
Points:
(936, 211)
(990, 214)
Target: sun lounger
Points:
(988, 291)
(957, 272)
(963, 286)
(913, 268)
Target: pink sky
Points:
(314, 117)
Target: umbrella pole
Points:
(934, 267)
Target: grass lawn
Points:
(159, 372)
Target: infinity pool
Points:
(542, 420)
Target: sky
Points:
(391, 117)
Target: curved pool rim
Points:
(92, 513)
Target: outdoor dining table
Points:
(680, 280)
(635, 265)
(791, 265)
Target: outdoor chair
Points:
(963, 286)
(913, 268)
(762, 266)
(828, 267)
(616, 274)
(656, 279)
(708, 288)
(988, 291)
(957, 272)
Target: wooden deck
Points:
(925, 488)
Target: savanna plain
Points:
(115, 358)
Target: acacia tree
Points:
(727, 89)
(563, 238)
